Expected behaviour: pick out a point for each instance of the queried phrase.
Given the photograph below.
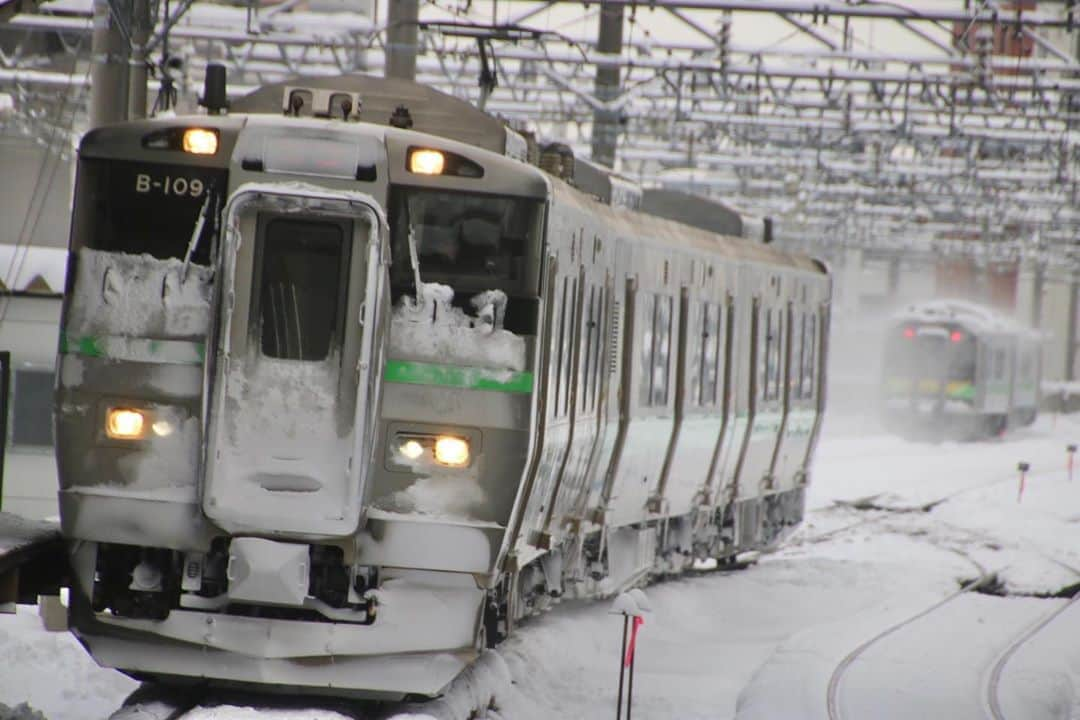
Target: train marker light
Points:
(124, 424)
(452, 451)
(200, 142)
(411, 449)
(427, 162)
(162, 428)
(909, 332)
(956, 336)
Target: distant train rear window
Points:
(137, 208)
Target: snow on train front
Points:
(285, 461)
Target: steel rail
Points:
(993, 681)
(833, 691)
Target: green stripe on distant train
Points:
(418, 373)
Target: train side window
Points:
(999, 364)
(648, 323)
(588, 330)
(810, 351)
(598, 321)
(798, 352)
(32, 408)
(719, 364)
(695, 341)
(778, 352)
(568, 367)
(662, 353)
(1027, 366)
(765, 358)
(559, 337)
(710, 354)
(302, 281)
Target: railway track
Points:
(993, 683)
(991, 696)
(836, 679)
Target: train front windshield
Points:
(470, 242)
(136, 208)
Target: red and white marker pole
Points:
(1023, 467)
(631, 605)
(1070, 451)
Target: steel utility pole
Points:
(605, 131)
(401, 34)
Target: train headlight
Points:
(427, 162)
(125, 424)
(452, 451)
(200, 142)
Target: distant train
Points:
(957, 370)
(347, 388)
(29, 322)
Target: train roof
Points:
(672, 233)
(971, 315)
(664, 215)
(429, 110)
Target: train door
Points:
(568, 505)
(566, 477)
(769, 373)
(744, 392)
(562, 282)
(651, 391)
(292, 388)
(801, 411)
(615, 400)
(815, 373)
(607, 407)
(705, 323)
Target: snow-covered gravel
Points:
(763, 642)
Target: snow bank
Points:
(481, 686)
(53, 673)
(430, 328)
(277, 410)
(440, 496)
(138, 296)
(21, 265)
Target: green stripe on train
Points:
(133, 349)
(471, 378)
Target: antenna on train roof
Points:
(214, 97)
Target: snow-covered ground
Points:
(892, 528)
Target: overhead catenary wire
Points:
(46, 176)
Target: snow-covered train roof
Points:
(963, 312)
(32, 269)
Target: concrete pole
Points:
(605, 132)
(137, 72)
(1070, 330)
(1037, 294)
(401, 39)
(108, 71)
